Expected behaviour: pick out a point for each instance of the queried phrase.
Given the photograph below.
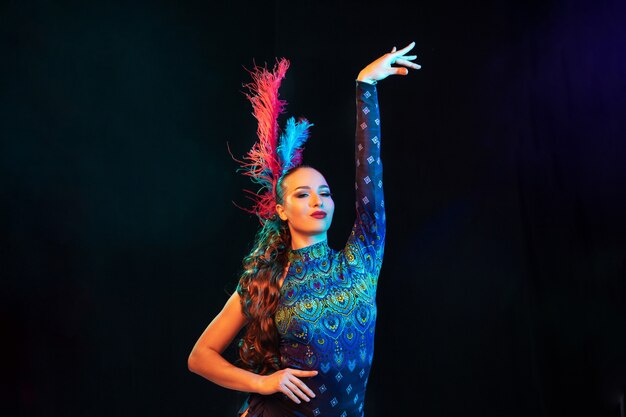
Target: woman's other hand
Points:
(287, 382)
(382, 67)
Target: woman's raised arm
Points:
(367, 240)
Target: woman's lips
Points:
(318, 215)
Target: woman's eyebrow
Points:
(308, 188)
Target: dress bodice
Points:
(326, 315)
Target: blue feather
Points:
(292, 142)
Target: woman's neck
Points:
(302, 241)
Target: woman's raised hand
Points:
(382, 67)
(286, 381)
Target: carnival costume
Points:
(326, 315)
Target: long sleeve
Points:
(368, 233)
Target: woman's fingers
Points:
(383, 66)
(297, 391)
(293, 387)
(284, 388)
(402, 61)
(398, 57)
(299, 372)
(405, 49)
(303, 387)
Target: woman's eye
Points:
(325, 194)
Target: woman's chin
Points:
(317, 232)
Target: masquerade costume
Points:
(327, 311)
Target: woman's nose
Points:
(315, 200)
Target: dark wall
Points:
(503, 287)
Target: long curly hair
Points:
(259, 290)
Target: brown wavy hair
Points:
(259, 291)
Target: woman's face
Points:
(305, 193)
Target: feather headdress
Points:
(275, 153)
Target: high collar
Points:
(315, 251)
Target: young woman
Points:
(309, 310)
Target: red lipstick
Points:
(319, 214)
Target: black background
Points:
(503, 287)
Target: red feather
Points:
(261, 163)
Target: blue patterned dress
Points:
(327, 312)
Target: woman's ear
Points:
(281, 212)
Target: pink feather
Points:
(261, 162)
